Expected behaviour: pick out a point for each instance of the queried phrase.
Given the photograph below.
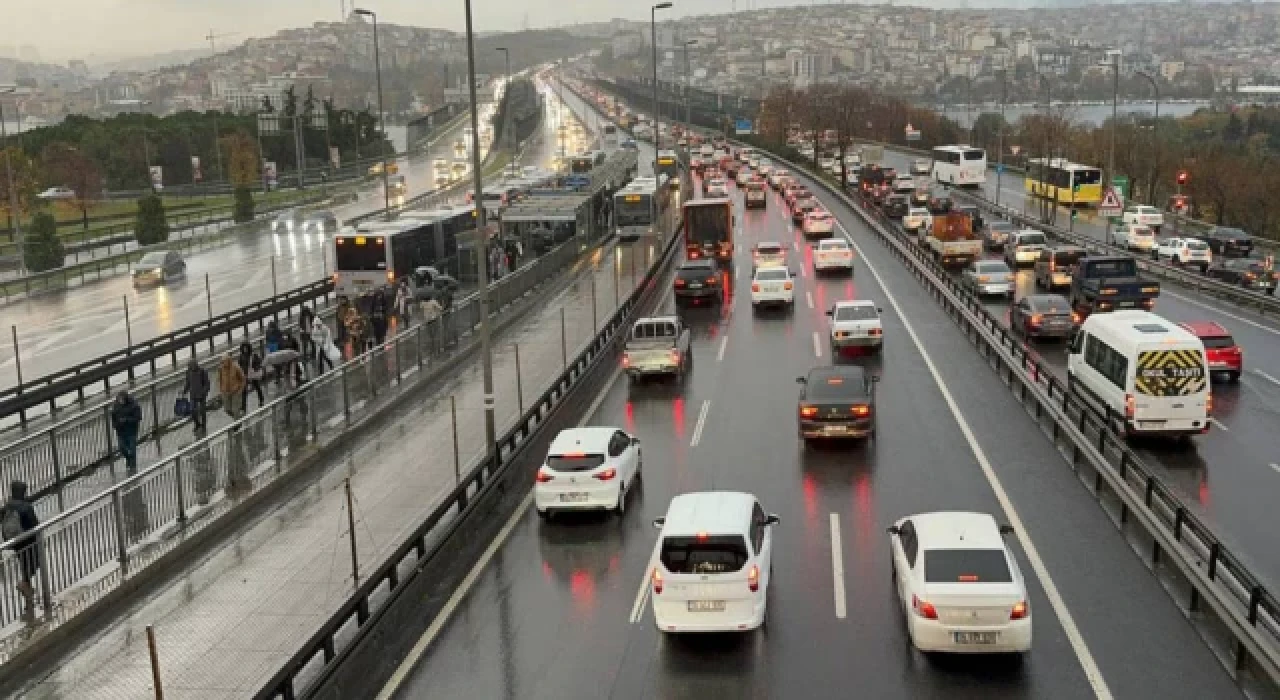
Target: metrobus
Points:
(668, 165)
(1068, 183)
(639, 208)
(585, 163)
(610, 142)
(377, 253)
(962, 166)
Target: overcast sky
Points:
(66, 29)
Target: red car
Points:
(1222, 353)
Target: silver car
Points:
(158, 267)
(989, 278)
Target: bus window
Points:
(361, 254)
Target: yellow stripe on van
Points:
(1170, 373)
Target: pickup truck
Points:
(1110, 283)
(951, 238)
(657, 346)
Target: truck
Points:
(1107, 283)
(708, 229)
(951, 238)
(871, 155)
(658, 346)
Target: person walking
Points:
(323, 340)
(305, 319)
(340, 318)
(17, 521)
(231, 386)
(126, 419)
(196, 386)
(356, 328)
(378, 313)
(251, 364)
(293, 368)
(403, 305)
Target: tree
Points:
(152, 226)
(68, 166)
(242, 159)
(244, 205)
(42, 247)
(25, 182)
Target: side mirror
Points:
(801, 380)
(772, 520)
(893, 530)
(830, 312)
(659, 522)
(879, 310)
(1006, 529)
(635, 440)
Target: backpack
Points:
(10, 524)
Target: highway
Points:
(61, 330)
(560, 611)
(1228, 476)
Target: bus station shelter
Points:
(543, 221)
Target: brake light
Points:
(657, 581)
(675, 356)
(693, 255)
(753, 578)
(983, 279)
(875, 331)
(1037, 319)
(1075, 317)
(712, 280)
(786, 285)
(544, 476)
(679, 283)
(755, 287)
(1129, 406)
(626, 360)
(1020, 611)
(808, 411)
(861, 411)
(1148, 304)
(1208, 404)
(606, 475)
(924, 608)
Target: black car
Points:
(1228, 242)
(996, 234)
(698, 280)
(1042, 316)
(836, 401)
(896, 206)
(1249, 273)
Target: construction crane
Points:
(214, 37)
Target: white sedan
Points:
(959, 585)
(773, 286)
(590, 468)
(1135, 237)
(1185, 251)
(921, 166)
(58, 193)
(819, 223)
(833, 254)
(855, 323)
(717, 188)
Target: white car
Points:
(707, 151)
(58, 193)
(768, 254)
(717, 188)
(921, 166)
(1143, 215)
(826, 163)
(1185, 251)
(764, 170)
(744, 176)
(904, 183)
(960, 588)
(855, 323)
(819, 223)
(777, 177)
(833, 254)
(712, 563)
(773, 286)
(590, 468)
(917, 219)
(1135, 237)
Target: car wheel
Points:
(544, 514)
(621, 508)
(1233, 377)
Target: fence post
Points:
(351, 529)
(346, 395)
(519, 383)
(46, 586)
(179, 489)
(453, 413)
(275, 433)
(122, 546)
(57, 465)
(595, 323)
(564, 341)
(155, 662)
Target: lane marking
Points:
(817, 345)
(837, 566)
(1219, 425)
(1267, 377)
(1275, 466)
(808, 296)
(1228, 314)
(724, 344)
(702, 421)
(420, 647)
(1078, 645)
(642, 595)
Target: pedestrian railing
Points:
(91, 548)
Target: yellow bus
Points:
(1056, 178)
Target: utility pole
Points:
(382, 123)
(14, 214)
(1004, 84)
(653, 37)
(1115, 113)
(688, 82)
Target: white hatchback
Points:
(589, 468)
(1184, 251)
(855, 323)
(819, 223)
(773, 286)
(959, 585)
(833, 254)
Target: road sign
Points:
(1112, 203)
(742, 126)
(912, 133)
(1121, 183)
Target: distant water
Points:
(1091, 113)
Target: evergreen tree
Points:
(42, 246)
(152, 226)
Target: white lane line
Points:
(1267, 377)
(1087, 663)
(1219, 425)
(642, 595)
(702, 422)
(795, 246)
(817, 345)
(1228, 314)
(420, 647)
(1275, 466)
(724, 344)
(808, 296)
(837, 566)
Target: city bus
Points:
(639, 208)
(962, 166)
(586, 162)
(377, 253)
(610, 138)
(1068, 183)
(668, 165)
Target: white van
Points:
(711, 566)
(1148, 375)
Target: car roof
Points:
(768, 244)
(715, 512)
(854, 302)
(957, 530)
(1205, 329)
(1066, 248)
(588, 439)
(699, 263)
(833, 243)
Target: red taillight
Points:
(626, 360)
(657, 581)
(787, 285)
(753, 578)
(1130, 407)
(679, 283)
(808, 411)
(1208, 404)
(606, 475)
(924, 608)
(1075, 317)
(1148, 304)
(544, 476)
(755, 287)
(693, 255)
(875, 331)
(1037, 319)
(713, 280)
(1020, 611)
(861, 411)
(675, 356)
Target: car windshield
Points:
(835, 387)
(966, 566)
(1067, 257)
(1196, 245)
(1218, 341)
(1229, 233)
(772, 274)
(1000, 226)
(152, 259)
(991, 268)
(574, 463)
(858, 312)
(715, 554)
(919, 212)
(1050, 304)
(833, 245)
(1031, 239)
(769, 250)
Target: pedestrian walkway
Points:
(224, 627)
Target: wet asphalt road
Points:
(551, 616)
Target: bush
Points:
(152, 226)
(42, 246)
(244, 205)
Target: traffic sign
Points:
(1111, 204)
(1000, 168)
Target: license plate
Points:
(706, 606)
(834, 429)
(1150, 423)
(363, 283)
(573, 497)
(696, 285)
(976, 637)
(1127, 304)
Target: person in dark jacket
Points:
(197, 387)
(378, 316)
(18, 514)
(126, 419)
(251, 364)
(294, 367)
(305, 319)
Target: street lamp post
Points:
(688, 82)
(1115, 120)
(1155, 132)
(968, 105)
(653, 37)
(1004, 84)
(1048, 150)
(482, 246)
(14, 214)
(382, 123)
(506, 118)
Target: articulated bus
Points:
(1068, 183)
(962, 166)
(639, 208)
(610, 142)
(377, 253)
(668, 165)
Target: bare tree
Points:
(70, 167)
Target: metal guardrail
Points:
(96, 546)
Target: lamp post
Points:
(482, 246)
(1155, 132)
(968, 105)
(1004, 84)
(1048, 150)
(14, 214)
(506, 118)
(688, 82)
(653, 37)
(382, 123)
(1115, 120)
